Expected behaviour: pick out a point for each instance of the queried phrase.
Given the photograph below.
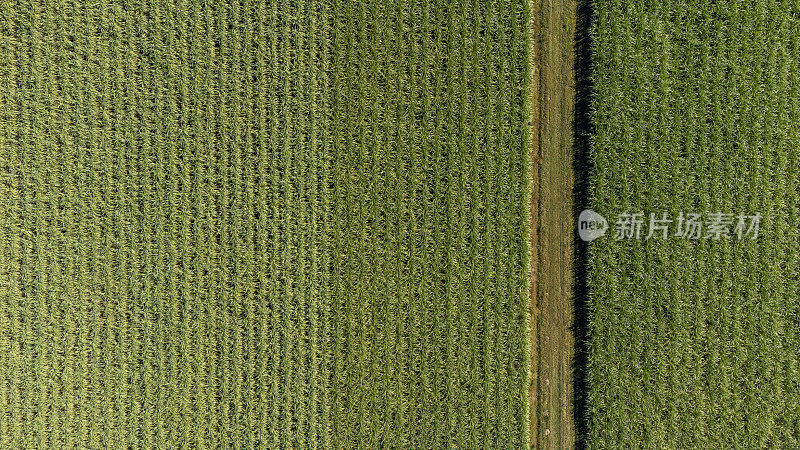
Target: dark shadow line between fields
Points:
(582, 166)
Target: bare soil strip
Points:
(552, 224)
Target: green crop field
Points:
(313, 224)
(263, 224)
(696, 343)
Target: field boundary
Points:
(582, 168)
(534, 135)
(553, 76)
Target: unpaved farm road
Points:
(552, 225)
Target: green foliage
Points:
(696, 108)
(251, 223)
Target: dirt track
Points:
(552, 203)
